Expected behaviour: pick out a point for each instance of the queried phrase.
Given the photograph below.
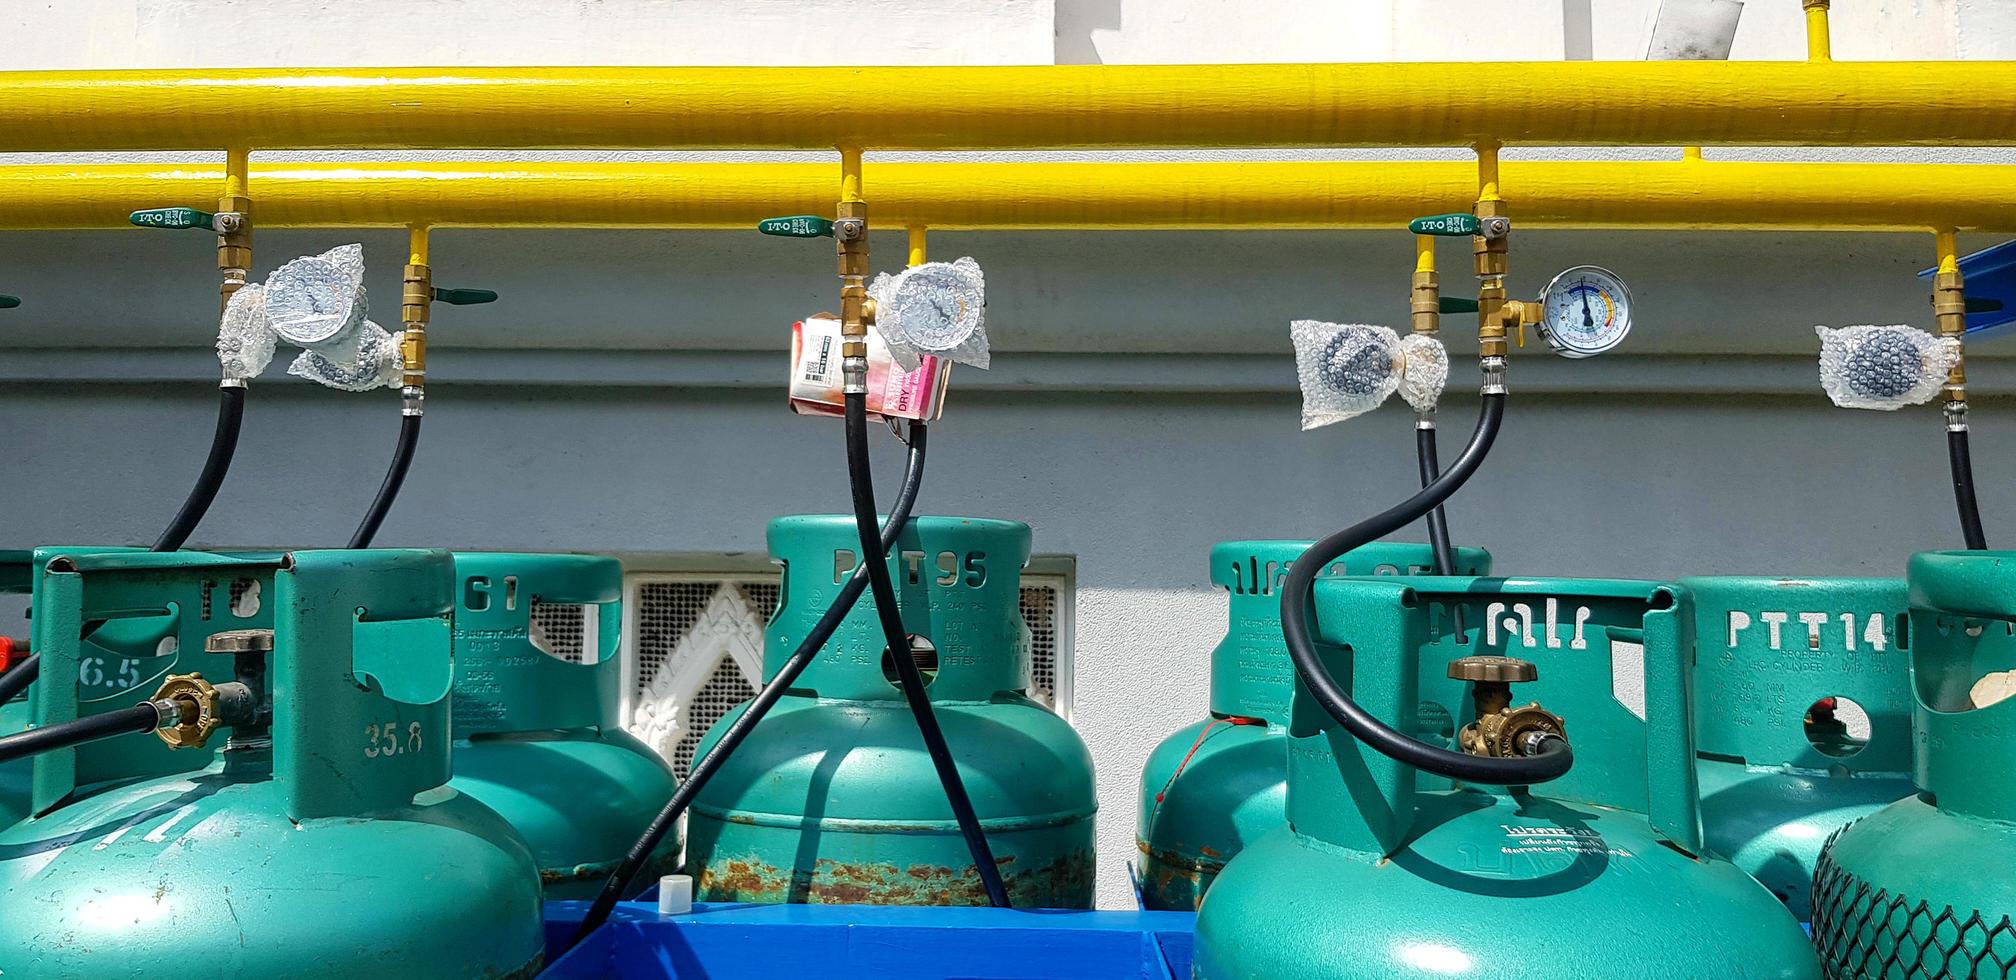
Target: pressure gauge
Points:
(1585, 311)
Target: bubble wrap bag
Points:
(1346, 369)
(317, 301)
(377, 363)
(937, 308)
(1424, 370)
(1883, 367)
(244, 342)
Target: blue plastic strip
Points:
(748, 942)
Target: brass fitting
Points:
(234, 243)
(199, 703)
(1427, 302)
(1490, 250)
(1501, 730)
(1949, 306)
(414, 311)
(850, 233)
(1814, 4)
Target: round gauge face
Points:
(935, 306)
(1585, 311)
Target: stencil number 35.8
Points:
(387, 740)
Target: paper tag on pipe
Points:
(816, 386)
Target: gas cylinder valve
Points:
(1503, 731)
(199, 707)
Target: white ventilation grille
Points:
(693, 647)
(563, 628)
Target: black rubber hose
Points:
(1963, 489)
(223, 445)
(402, 459)
(861, 479)
(91, 728)
(707, 765)
(1427, 452)
(18, 677)
(1296, 603)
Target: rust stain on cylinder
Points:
(830, 882)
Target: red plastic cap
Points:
(6, 653)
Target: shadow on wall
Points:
(1078, 21)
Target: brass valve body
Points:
(1427, 302)
(200, 718)
(414, 310)
(1501, 730)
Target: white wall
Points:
(621, 397)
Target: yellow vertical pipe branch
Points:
(234, 224)
(1819, 42)
(850, 231)
(917, 251)
(416, 306)
(1489, 249)
(1949, 305)
(1427, 295)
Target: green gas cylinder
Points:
(1600, 873)
(123, 661)
(322, 840)
(1923, 888)
(833, 798)
(1211, 788)
(536, 736)
(1775, 660)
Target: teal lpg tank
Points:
(1923, 888)
(1778, 662)
(1213, 787)
(536, 736)
(833, 799)
(122, 663)
(320, 841)
(1601, 873)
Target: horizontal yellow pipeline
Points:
(1692, 194)
(1558, 103)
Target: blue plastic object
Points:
(1990, 275)
(730, 941)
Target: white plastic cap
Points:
(675, 894)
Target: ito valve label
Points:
(817, 385)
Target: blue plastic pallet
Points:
(760, 942)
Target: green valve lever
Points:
(174, 218)
(465, 297)
(797, 226)
(1454, 304)
(1449, 225)
(9, 302)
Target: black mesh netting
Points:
(1861, 931)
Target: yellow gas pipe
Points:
(233, 223)
(1817, 103)
(416, 310)
(850, 231)
(1722, 195)
(1819, 44)
(1949, 306)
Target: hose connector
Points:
(1493, 367)
(1949, 307)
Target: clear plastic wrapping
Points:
(245, 343)
(938, 308)
(1883, 367)
(317, 301)
(1424, 370)
(375, 363)
(1346, 369)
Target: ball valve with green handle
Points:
(417, 300)
(244, 345)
